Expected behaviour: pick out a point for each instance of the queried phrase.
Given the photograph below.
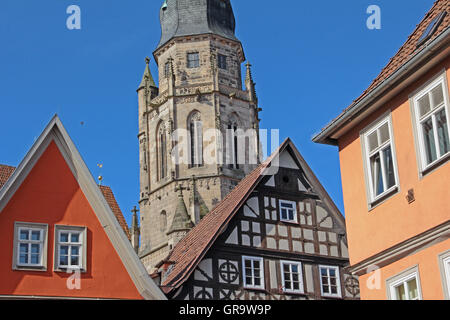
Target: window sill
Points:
(30, 268)
(64, 270)
(383, 198)
(431, 168)
(291, 223)
(255, 289)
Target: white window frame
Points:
(403, 278)
(299, 265)
(444, 264)
(43, 231)
(294, 205)
(338, 282)
(261, 272)
(385, 119)
(82, 244)
(420, 143)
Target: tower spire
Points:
(135, 230)
(250, 84)
(147, 78)
(181, 220)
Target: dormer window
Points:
(431, 29)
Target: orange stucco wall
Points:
(51, 195)
(393, 221)
(429, 274)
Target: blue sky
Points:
(310, 60)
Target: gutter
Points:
(324, 137)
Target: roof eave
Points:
(328, 135)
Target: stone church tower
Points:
(193, 126)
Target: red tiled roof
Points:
(7, 171)
(409, 49)
(111, 200)
(192, 248)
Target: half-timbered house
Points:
(277, 235)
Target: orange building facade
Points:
(394, 149)
(59, 237)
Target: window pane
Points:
(295, 268)
(442, 129)
(412, 289)
(291, 215)
(35, 235)
(333, 289)
(424, 105)
(23, 253)
(400, 291)
(389, 163)
(166, 69)
(377, 176)
(222, 61)
(286, 268)
(373, 141)
(384, 133)
(326, 289)
(296, 286)
(23, 259)
(437, 96)
(333, 281)
(24, 235)
(430, 146)
(35, 248)
(74, 261)
(64, 237)
(35, 258)
(323, 272)
(63, 260)
(75, 251)
(288, 285)
(75, 237)
(257, 281)
(193, 60)
(64, 250)
(287, 205)
(23, 248)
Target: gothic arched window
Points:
(232, 144)
(196, 139)
(162, 151)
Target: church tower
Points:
(199, 128)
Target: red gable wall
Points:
(51, 195)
